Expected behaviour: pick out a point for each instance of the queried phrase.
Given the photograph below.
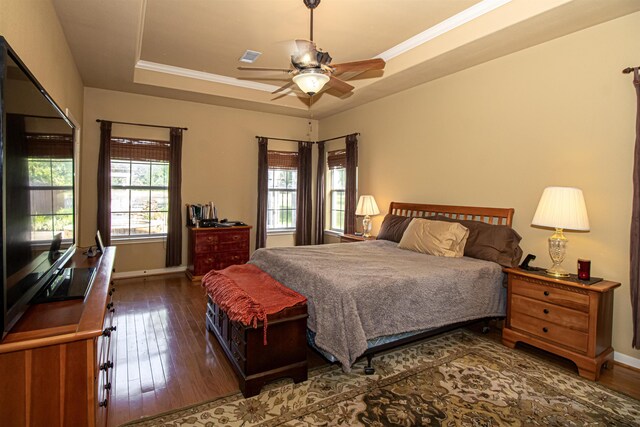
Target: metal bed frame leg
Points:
(369, 370)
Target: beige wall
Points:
(34, 32)
(560, 113)
(218, 158)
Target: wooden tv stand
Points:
(56, 363)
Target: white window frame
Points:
(150, 188)
(331, 194)
(270, 195)
(51, 188)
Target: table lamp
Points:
(367, 206)
(561, 208)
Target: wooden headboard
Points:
(496, 216)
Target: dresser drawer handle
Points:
(103, 404)
(546, 293)
(107, 386)
(109, 305)
(545, 330)
(112, 291)
(545, 311)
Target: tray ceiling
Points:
(190, 49)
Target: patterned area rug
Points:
(456, 379)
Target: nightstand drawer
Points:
(550, 294)
(573, 319)
(575, 340)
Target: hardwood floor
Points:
(165, 358)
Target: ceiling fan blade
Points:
(339, 85)
(280, 89)
(284, 70)
(366, 65)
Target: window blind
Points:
(49, 146)
(283, 159)
(337, 159)
(144, 150)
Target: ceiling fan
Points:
(311, 67)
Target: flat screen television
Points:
(38, 208)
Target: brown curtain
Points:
(18, 201)
(263, 193)
(104, 183)
(635, 224)
(174, 222)
(303, 200)
(320, 194)
(350, 185)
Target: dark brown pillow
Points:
(497, 243)
(393, 227)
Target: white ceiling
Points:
(189, 49)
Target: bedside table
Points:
(566, 318)
(350, 238)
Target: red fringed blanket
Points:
(248, 295)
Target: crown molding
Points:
(443, 27)
(201, 75)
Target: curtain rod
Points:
(338, 137)
(313, 142)
(140, 124)
(630, 69)
(283, 139)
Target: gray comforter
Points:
(359, 291)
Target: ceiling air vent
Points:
(250, 56)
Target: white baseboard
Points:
(626, 360)
(151, 272)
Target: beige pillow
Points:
(435, 238)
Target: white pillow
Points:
(438, 238)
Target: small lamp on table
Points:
(367, 206)
(561, 208)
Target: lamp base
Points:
(366, 227)
(557, 271)
(557, 250)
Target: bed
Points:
(369, 296)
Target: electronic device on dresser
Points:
(37, 181)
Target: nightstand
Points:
(566, 318)
(350, 238)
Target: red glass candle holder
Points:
(584, 269)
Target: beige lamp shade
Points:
(562, 207)
(367, 206)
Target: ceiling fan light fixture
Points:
(311, 81)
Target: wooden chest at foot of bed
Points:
(285, 354)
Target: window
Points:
(139, 187)
(50, 165)
(336, 161)
(282, 184)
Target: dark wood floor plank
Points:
(165, 358)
